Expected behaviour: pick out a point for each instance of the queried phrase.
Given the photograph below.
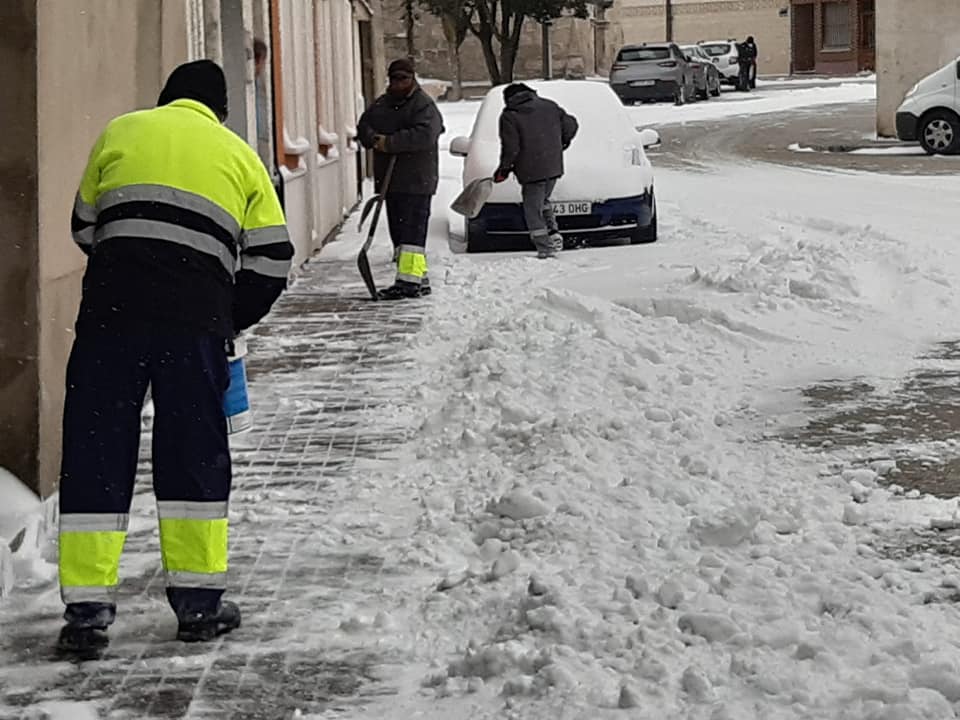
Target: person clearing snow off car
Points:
(403, 126)
(534, 133)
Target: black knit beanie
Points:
(201, 80)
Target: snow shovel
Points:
(470, 202)
(376, 204)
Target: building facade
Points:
(835, 37)
(690, 21)
(79, 64)
(913, 40)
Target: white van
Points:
(930, 112)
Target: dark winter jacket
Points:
(534, 132)
(412, 126)
(747, 52)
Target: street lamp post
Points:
(668, 10)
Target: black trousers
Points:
(408, 218)
(107, 379)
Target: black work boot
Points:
(205, 626)
(85, 643)
(400, 291)
(85, 634)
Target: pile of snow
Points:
(619, 530)
(758, 102)
(62, 710)
(24, 523)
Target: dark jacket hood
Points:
(521, 101)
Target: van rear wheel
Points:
(940, 133)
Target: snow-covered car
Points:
(930, 113)
(724, 56)
(650, 72)
(606, 194)
(706, 77)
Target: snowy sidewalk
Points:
(319, 368)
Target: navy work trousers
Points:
(107, 379)
(408, 218)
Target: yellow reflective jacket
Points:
(182, 225)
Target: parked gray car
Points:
(650, 72)
(706, 77)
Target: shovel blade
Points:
(470, 202)
(363, 265)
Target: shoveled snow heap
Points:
(613, 529)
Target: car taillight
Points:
(733, 61)
(695, 66)
(668, 63)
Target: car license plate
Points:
(643, 83)
(572, 208)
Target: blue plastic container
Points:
(236, 403)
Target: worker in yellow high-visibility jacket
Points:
(187, 246)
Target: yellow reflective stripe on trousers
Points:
(191, 545)
(411, 264)
(90, 558)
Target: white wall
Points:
(319, 90)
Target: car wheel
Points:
(716, 88)
(679, 97)
(705, 93)
(647, 234)
(940, 132)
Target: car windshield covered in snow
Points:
(643, 53)
(717, 49)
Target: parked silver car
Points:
(706, 76)
(652, 71)
(725, 58)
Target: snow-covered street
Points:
(562, 489)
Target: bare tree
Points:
(498, 25)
